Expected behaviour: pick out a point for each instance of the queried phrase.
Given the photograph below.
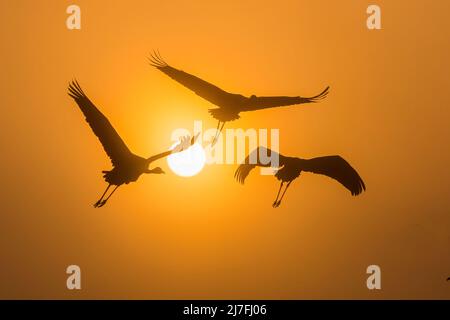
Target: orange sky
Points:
(207, 236)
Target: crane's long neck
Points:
(158, 156)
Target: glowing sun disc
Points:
(188, 162)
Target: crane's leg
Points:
(217, 133)
(217, 130)
(96, 205)
(279, 201)
(104, 201)
(278, 194)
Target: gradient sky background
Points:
(207, 236)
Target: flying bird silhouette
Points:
(229, 104)
(290, 168)
(127, 167)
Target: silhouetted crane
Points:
(229, 104)
(290, 168)
(127, 167)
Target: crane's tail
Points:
(320, 96)
(223, 115)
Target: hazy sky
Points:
(207, 236)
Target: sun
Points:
(189, 162)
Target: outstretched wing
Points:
(112, 143)
(262, 157)
(184, 144)
(257, 103)
(202, 88)
(337, 168)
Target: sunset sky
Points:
(206, 236)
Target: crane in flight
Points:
(229, 104)
(334, 167)
(127, 167)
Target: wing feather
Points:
(257, 103)
(204, 89)
(113, 144)
(339, 169)
(261, 157)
